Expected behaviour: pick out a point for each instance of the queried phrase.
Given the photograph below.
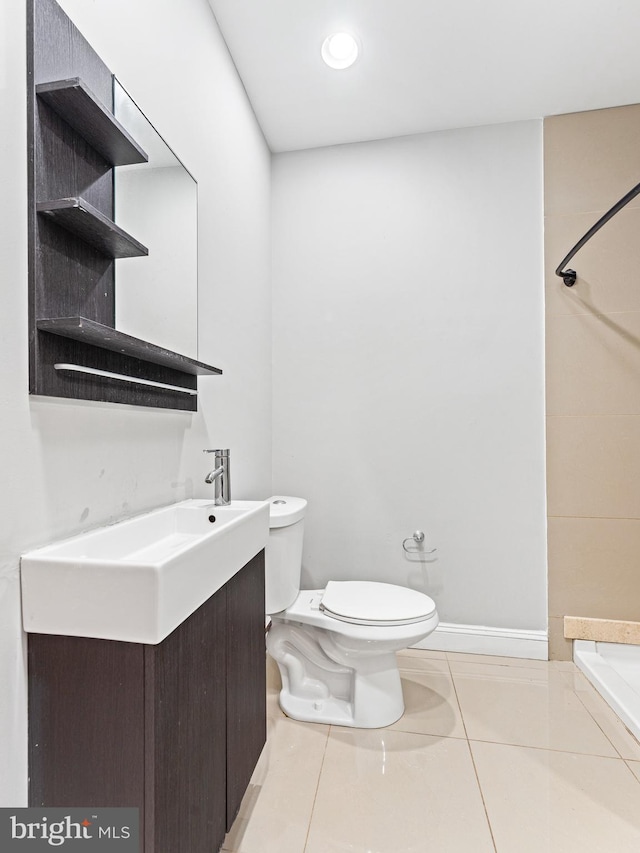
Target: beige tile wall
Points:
(593, 370)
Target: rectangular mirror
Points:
(156, 297)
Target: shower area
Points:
(592, 160)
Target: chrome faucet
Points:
(220, 477)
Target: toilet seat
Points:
(305, 610)
(375, 604)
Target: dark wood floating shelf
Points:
(80, 108)
(96, 229)
(98, 335)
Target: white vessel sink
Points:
(137, 580)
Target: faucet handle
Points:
(226, 452)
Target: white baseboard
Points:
(480, 640)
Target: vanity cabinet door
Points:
(186, 721)
(86, 722)
(246, 679)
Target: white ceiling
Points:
(428, 64)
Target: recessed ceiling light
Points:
(340, 50)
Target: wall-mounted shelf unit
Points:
(87, 223)
(76, 104)
(74, 144)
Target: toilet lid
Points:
(370, 603)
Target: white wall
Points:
(408, 364)
(71, 465)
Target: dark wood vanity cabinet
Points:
(173, 729)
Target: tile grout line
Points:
(455, 693)
(315, 795)
(550, 749)
(588, 710)
(591, 714)
(626, 761)
(616, 757)
(441, 674)
(484, 804)
(473, 762)
(550, 416)
(593, 517)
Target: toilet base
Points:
(326, 681)
(330, 711)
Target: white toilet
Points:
(335, 647)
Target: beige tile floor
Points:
(492, 754)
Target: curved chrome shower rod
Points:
(569, 276)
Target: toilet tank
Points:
(283, 555)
